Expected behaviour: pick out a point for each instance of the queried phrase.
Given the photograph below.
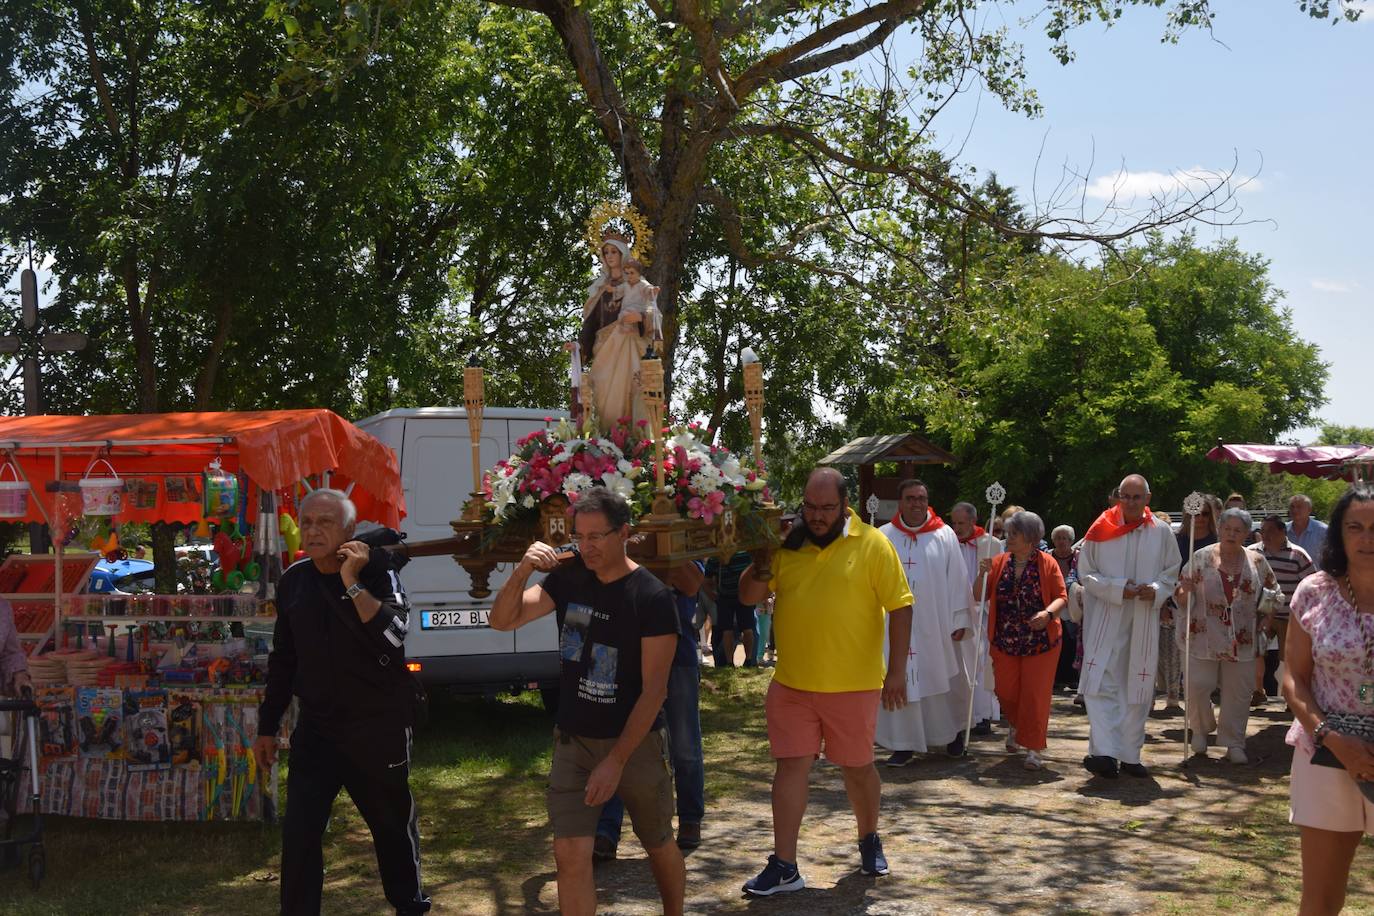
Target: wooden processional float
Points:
(662, 538)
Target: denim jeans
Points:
(684, 748)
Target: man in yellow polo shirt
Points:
(835, 578)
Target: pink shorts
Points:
(1326, 798)
(802, 722)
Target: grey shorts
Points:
(646, 786)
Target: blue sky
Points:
(1291, 98)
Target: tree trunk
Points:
(142, 338)
(164, 558)
(205, 383)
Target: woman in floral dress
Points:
(1330, 682)
(1232, 588)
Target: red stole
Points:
(1110, 526)
(932, 522)
(977, 533)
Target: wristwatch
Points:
(1320, 732)
(354, 591)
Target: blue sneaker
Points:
(872, 860)
(777, 877)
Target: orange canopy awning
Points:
(275, 448)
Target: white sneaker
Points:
(1011, 739)
(1199, 743)
(1032, 761)
(1237, 755)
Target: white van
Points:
(448, 635)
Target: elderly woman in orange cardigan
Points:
(1026, 595)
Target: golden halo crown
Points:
(622, 222)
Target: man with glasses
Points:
(837, 583)
(939, 666)
(1128, 567)
(618, 632)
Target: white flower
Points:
(528, 501)
(683, 438)
(502, 495)
(619, 485)
(569, 451)
(576, 483)
(625, 467)
(608, 447)
(703, 483)
(731, 471)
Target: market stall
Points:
(150, 700)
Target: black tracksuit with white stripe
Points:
(354, 729)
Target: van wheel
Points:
(550, 697)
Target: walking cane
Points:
(994, 494)
(1192, 507)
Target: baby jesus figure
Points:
(640, 300)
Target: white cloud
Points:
(1333, 286)
(1125, 186)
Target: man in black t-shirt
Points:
(618, 631)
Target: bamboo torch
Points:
(651, 387)
(474, 400)
(753, 399)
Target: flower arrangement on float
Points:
(702, 481)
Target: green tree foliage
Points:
(1071, 377)
(700, 103)
(351, 252)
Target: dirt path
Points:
(982, 835)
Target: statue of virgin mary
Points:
(614, 347)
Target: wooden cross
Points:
(33, 342)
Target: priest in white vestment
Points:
(974, 544)
(1128, 567)
(937, 682)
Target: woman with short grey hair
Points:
(1232, 587)
(1025, 598)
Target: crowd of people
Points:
(911, 637)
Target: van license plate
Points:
(448, 620)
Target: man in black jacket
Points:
(339, 646)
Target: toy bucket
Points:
(14, 494)
(221, 493)
(101, 495)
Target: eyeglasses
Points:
(820, 510)
(594, 538)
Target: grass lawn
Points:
(479, 778)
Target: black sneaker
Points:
(777, 877)
(983, 729)
(871, 858)
(1101, 766)
(603, 849)
(1135, 769)
(956, 747)
(900, 759)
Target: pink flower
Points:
(706, 508)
